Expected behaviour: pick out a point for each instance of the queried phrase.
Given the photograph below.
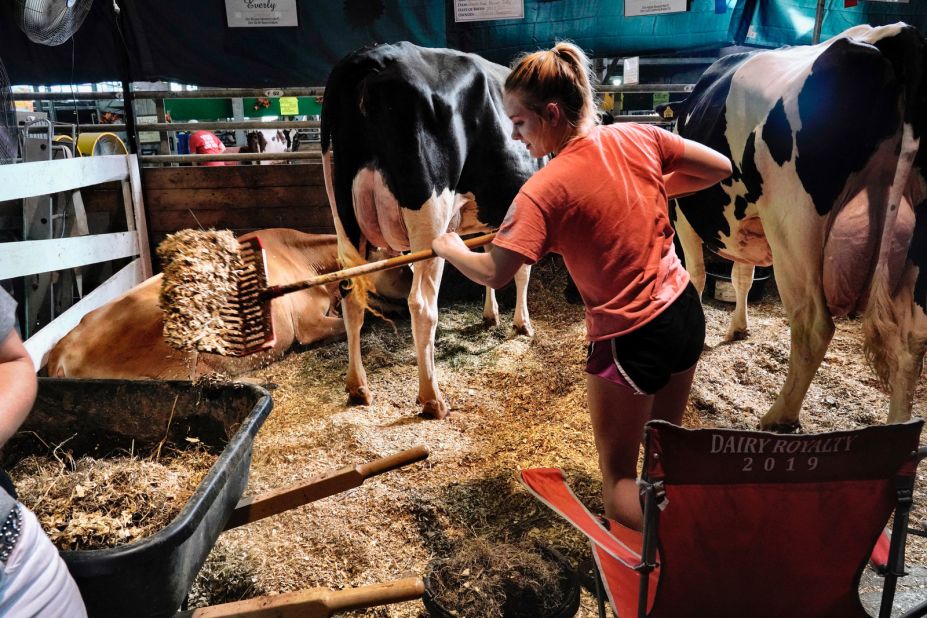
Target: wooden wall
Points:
(241, 198)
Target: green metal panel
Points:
(198, 109)
(221, 109)
(308, 106)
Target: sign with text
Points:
(260, 13)
(485, 10)
(289, 106)
(631, 70)
(635, 8)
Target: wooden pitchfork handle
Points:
(316, 602)
(274, 291)
(279, 500)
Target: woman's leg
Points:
(669, 403)
(618, 417)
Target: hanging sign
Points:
(635, 8)
(260, 13)
(289, 106)
(631, 70)
(485, 10)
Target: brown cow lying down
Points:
(122, 339)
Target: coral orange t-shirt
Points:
(601, 204)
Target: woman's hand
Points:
(448, 244)
(494, 269)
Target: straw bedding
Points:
(517, 403)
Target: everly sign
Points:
(260, 13)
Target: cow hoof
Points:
(435, 409)
(359, 396)
(524, 329)
(737, 335)
(490, 321)
(783, 428)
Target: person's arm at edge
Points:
(698, 168)
(494, 269)
(17, 385)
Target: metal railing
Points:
(304, 154)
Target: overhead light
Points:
(617, 80)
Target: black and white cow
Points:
(421, 145)
(829, 184)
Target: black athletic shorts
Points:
(644, 359)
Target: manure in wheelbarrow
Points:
(89, 503)
(501, 580)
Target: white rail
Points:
(29, 257)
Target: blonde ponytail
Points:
(562, 74)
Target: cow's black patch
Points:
(847, 106)
(750, 175)
(778, 134)
(704, 120)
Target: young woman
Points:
(34, 580)
(601, 203)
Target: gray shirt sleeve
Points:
(7, 314)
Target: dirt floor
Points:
(517, 403)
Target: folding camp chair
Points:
(752, 524)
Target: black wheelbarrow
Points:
(151, 577)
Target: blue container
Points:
(150, 577)
(183, 143)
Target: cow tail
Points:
(348, 254)
(881, 321)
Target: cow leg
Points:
(742, 279)
(425, 225)
(490, 306)
(352, 311)
(812, 329)
(906, 343)
(522, 321)
(423, 307)
(692, 251)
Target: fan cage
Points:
(9, 129)
(52, 22)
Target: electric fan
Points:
(52, 22)
(9, 130)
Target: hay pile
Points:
(92, 503)
(201, 271)
(496, 580)
(516, 403)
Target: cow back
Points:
(429, 120)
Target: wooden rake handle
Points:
(365, 269)
(315, 603)
(279, 500)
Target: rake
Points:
(246, 312)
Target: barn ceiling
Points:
(190, 42)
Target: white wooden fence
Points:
(29, 257)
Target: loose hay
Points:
(497, 580)
(516, 402)
(97, 503)
(200, 276)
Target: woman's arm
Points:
(17, 385)
(698, 168)
(494, 269)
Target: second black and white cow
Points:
(420, 145)
(829, 184)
